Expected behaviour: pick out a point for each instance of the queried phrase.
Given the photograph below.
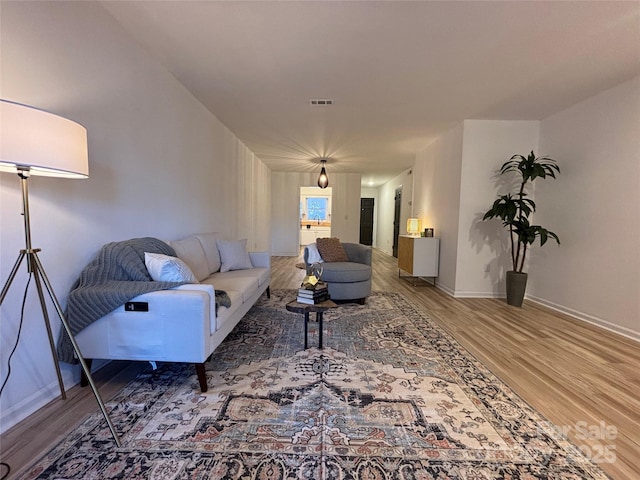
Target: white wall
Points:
(285, 208)
(386, 209)
(285, 213)
(455, 183)
(160, 165)
(437, 197)
(593, 206)
(253, 212)
(345, 217)
(594, 274)
(482, 246)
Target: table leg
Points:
(306, 325)
(319, 320)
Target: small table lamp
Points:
(34, 142)
(413, 227)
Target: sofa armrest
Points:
(358, 253)
(176, 327)
(260, 259)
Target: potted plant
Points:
(514, 210)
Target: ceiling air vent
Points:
(320, 102)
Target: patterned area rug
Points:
(391, 396)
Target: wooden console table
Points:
(418, 256)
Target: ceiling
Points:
(399, 73)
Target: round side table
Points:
(305, 308)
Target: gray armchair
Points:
(347, 280)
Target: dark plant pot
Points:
(516, 286)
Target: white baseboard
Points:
(445, 289)
(29, 405)
(585, 317)
(463, 294)
(16, 413)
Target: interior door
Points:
(366, 221)
(396, 220)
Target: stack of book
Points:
(313, 294)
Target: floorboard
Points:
(576, 374)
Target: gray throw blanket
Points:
(115, 276)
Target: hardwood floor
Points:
(580, 377)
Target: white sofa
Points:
(181, 324)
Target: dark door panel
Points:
(366, 221)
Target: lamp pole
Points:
(35, 268)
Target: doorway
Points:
(396, 219)
(315, 214)
(366, 221)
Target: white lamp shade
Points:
(47, 144)
(413, 226)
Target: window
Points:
(317, 208)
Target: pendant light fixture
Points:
(323, 180)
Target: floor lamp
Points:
(34, 142)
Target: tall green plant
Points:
(514, 210)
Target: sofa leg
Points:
(84, 381)
(362, 301)
(202, 376)
(269, 292)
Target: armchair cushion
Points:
(331, 250)
(345, 272)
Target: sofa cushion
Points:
(345, 272)
(245, 285)
(191, 252)
(225, 313)
(164, 268)
(331, 250)
(260, 273)
(234, 255)
(209, 242)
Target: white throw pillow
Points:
(164, 268)
(314, 254)
(234, 255)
